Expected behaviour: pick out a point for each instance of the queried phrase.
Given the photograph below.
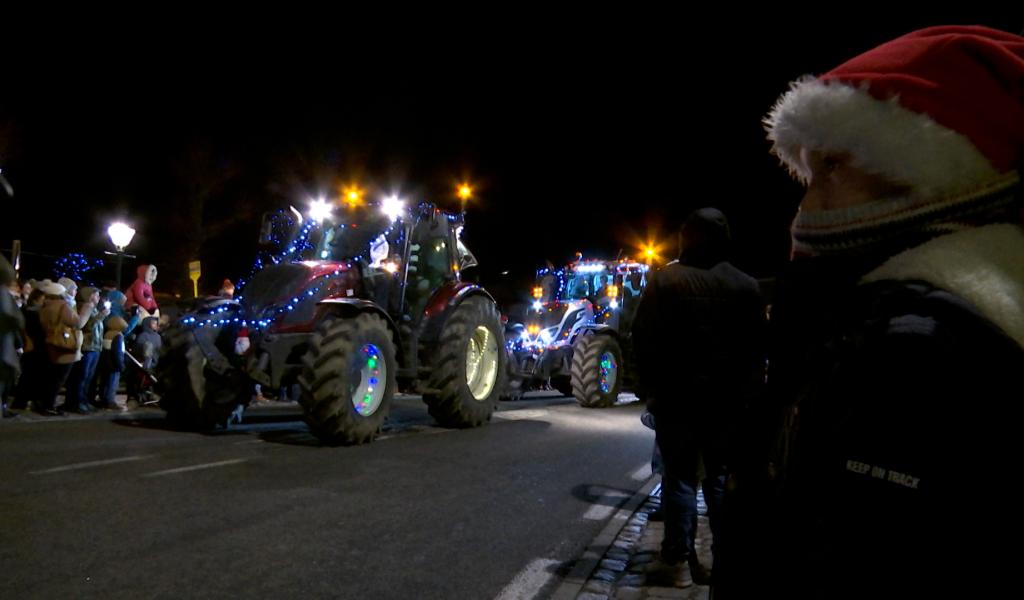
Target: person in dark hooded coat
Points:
(699, 342)
(11, 325)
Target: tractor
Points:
(577, 331)
(359, 303)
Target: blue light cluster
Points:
(75, 266)
(559, 274)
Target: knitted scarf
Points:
(868, 227)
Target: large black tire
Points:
(562, 383)
(332, 373)
(514, 388)
(450, 399)
(192, 394)
(587, 376)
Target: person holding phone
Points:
(80, 381)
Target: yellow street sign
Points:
(194, 271)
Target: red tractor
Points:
(364, 303)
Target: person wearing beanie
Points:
(146, 350)
(58, 320)
(696, 386)
(117, 309)
(71, 290)
(84, 370)
(899, 325)
(112, 361)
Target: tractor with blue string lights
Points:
(359, 301)
(577, 330)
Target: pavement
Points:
(616, 566)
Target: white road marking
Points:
(212, 465)
(90, 464)
(643, 473)
(605, 505)
(528, 582)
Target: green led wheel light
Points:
(609, 371)
(369, 373)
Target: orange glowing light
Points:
(465, 191)
(352, 196)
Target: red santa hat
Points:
(940, 110)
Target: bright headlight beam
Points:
(393, 207)
(319, 210)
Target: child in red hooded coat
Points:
(141, 292)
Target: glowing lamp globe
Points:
(120, 234)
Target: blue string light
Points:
(296, 250)
(76, 266)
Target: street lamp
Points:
(464, 192)
(120, 235)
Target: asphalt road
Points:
(125, 508)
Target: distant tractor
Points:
(363, 301)
(577, 331)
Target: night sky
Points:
(586, 137)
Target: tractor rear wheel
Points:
(467, 378)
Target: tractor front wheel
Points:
(596, 370)
(348, 379)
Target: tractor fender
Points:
(597, 329)
(351, 306)
(442, 305)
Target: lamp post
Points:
(120, 235)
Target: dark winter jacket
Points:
(900, 407)
(699, 339)
(34, 328)
(148, 343)
(11, 325)
(10, 339)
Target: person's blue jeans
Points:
(109, 390)
(682, 452)
(80, 379)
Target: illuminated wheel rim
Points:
(373, 378)
(481, 362)
(609, 372)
